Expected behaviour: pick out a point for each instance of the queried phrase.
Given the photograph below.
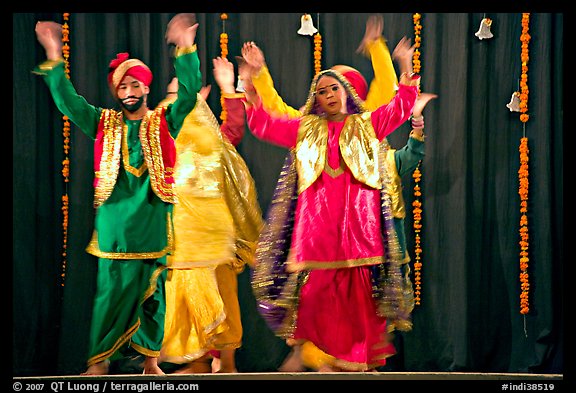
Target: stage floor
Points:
(311, 376)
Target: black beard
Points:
(133, 107)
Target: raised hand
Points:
(421, 101)
(224, 74)
(417, 118)
(49, 35)
(374, 28)
(253, 56)
(181, 30)
(205, 91)
(403, 54)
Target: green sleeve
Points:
(409, 156)
(67, 100)
(187, 68)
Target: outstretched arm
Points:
(181, 31)
(403, 53)
(388, 118)
(417, 119)
(67, 100)
(263, 83)
(383, 86)
(233, 126)
(408, 157)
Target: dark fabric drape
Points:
(469, 317)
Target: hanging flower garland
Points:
(66, 161)
(317, 50)
(223, 54)
(524, 57)
(417, 42)
(523, 172)
(417, 176)
(524, 236)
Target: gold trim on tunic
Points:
(94, 249)
(334, 172)
(126, 155)
(294, 266)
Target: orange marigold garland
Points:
(524, 57)
(66, 161)
(523, 172)
(417, 214)
(417, 41)
(524, 235)
(317, 50)
(224, 54)
(417, 176)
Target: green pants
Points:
(129, 308)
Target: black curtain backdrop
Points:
(469, 317)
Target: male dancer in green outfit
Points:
(134, 157)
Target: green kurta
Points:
(406, 160)
(133, 221)
(133, 227)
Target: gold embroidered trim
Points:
(233, 95)
(394, 186)
(294, 266)
(48, 65)
(94, 249)
(145, 351)
(126, 154)
(334, 172)
(153, 283)
(180, 51)
(110, 159)
(151, 146)
(120, 342)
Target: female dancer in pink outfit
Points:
(328, 261)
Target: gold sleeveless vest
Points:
(359, 148)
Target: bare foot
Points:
(200, 366)
(215, 365)
(227, 370)
(151, 366)
(293, 362)
(153, 370)
(325, 368)
(100, 368)
(227, 361)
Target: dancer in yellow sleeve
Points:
(216, 224)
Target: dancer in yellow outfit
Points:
(216, 223)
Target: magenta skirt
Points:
(337, 313)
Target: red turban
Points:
(355, 78)
(123, 66)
